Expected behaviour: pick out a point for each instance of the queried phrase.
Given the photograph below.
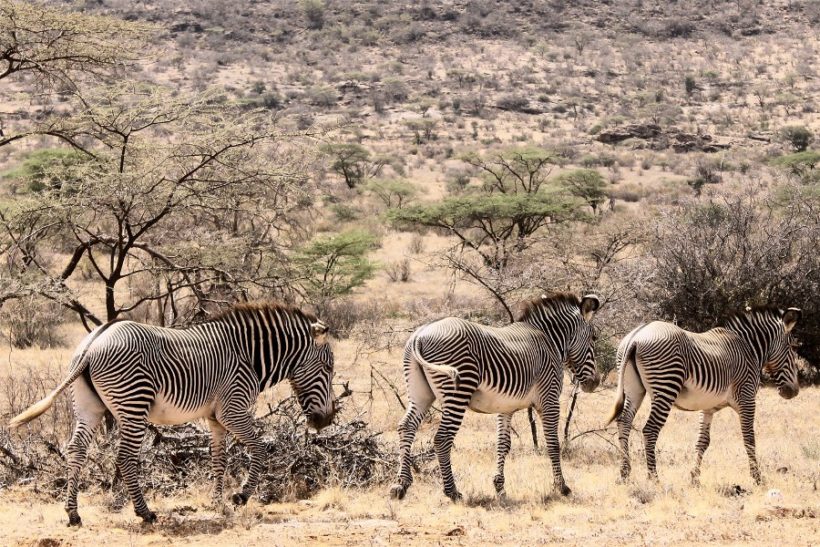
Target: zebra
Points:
(702, 371)
(496, 370)
(214, 370)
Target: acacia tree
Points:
(393, 192)
(801, 165)
(181, 199)
(332, 266)
(496, 223)
(587, 184)
(353, 162)
(58, 51)
(513, 171)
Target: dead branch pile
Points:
(299, 462)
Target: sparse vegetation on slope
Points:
(388, 164)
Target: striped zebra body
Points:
(215, 370)
(497, 370)
(703, 372)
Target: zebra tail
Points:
(79, 365)
(452, 372)
(618, 407)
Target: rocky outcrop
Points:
(657, 138)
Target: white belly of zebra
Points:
(165, 413)
(488, 401)
(693, 397)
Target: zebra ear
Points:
(589, 305)
(319, 331)
(791, 317)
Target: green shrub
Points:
(48, 169)
(314, 12)
(797, 136)
(393, 192)
(331, 266)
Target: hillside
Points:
(386, 164)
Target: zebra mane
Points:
(528, 308)
(765, 309)
(263, 306)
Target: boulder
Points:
(661, 139)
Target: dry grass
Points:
(637, 512)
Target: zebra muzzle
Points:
(319, 421)
(590, 384)
(788, 391)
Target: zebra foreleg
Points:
(549, 419)
(703, 443)
(88, 415)
(132, 432)
(408, 427)
(657, 418)
(452, 416)
(503, 422)
(218, 459)
(747, 427)
(241, 426)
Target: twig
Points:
(533, 427)
(571, 410)
(11, 455)
(597, 433)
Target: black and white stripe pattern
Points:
(703, 371)
(496, 370)
(215, 370)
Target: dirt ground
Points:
(726, 509)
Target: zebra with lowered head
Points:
(497, 370)
(703, 371)
(214, 370)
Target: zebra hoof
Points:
(564, 490)
(455, 496)
(74, 520)
(397, 492)
(149, 518)
(498, 482)
(239, 499)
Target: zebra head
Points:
(781, 363)
(580, 345)
(312, 376)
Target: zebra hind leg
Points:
(634, 393)
(703, 443)
(218, 459)
(89, 411)
(132, 432)
(452, 415)
(657, 418)
(408, 427)
(240, 424)
(624, 429)
(503, 422)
